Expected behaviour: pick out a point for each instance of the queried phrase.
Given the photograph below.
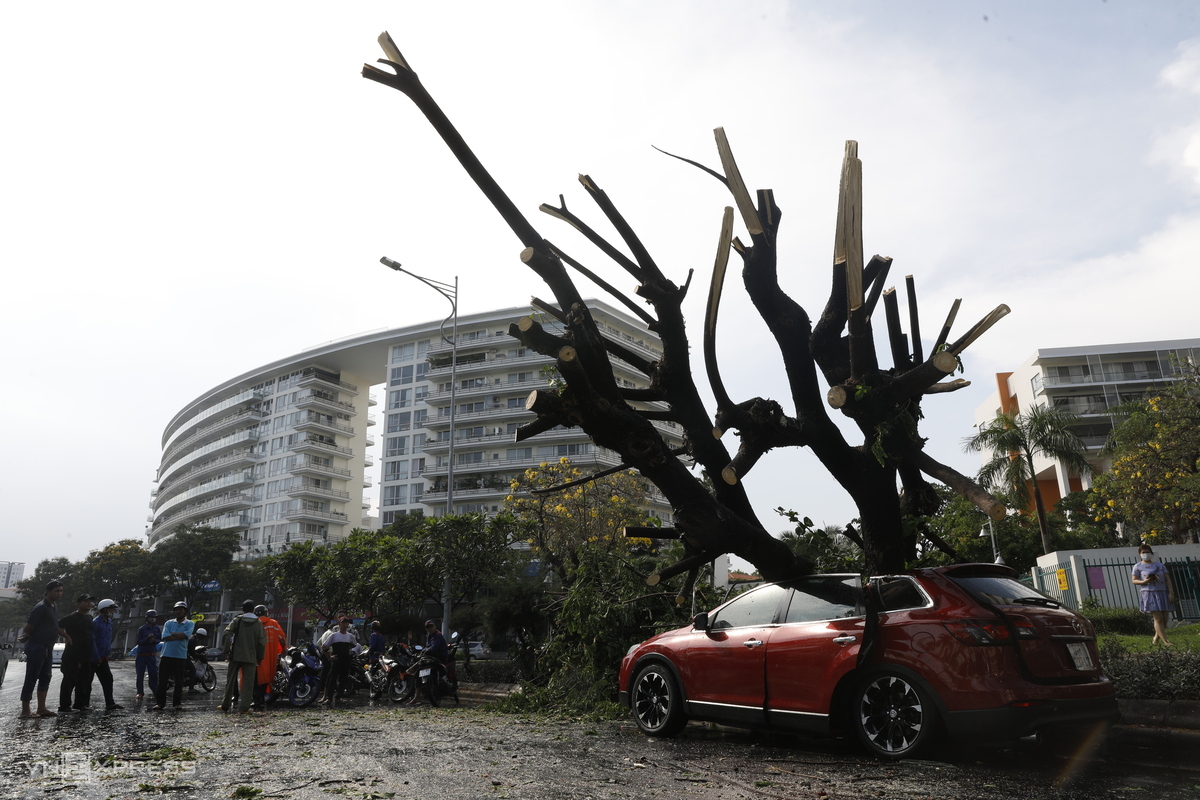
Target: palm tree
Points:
(1014, 440)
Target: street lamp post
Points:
(450, 292)
(991, 529)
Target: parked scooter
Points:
(388, 677)
(437, 679)
(299, 675)
(200, 672)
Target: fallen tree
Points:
(830, 363)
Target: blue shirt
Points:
(147, 639)
(101, 638)
(177, 648)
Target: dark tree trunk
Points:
(829, 364)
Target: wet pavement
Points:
(366, 751)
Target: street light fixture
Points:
(984, 532)
(450, 292)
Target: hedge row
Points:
(1123, 621)
(1159, 674)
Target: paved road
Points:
(368, 751)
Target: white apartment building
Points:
(1086, 381)
(11, 573)
(425, 444)
(280, 453)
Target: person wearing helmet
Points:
(148, 637)
(276, 644)
(101, 647)
(76, 665)
(245, 644)
(174, 661)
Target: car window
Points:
(997, 589)
(900, 593)
(819, 597)
(753, 608)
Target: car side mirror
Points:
(700, 621)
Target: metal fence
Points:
(1107, 580)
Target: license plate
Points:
(1081, 656)
(425, 673)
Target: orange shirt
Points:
(276, 644)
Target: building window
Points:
(399, 398)
(418, 443)
(418, 492)
(395, 495)
(395, 471)
(418, 467)
(402, 375)
(399, 422)
(402, 352)
(396, 446)
(519, 452)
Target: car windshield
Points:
(1003, 591)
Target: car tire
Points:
(892, 715)
(657, 702)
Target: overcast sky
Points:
(193, 191)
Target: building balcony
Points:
(313, 515)
(241, 458)
(489, 341)
(313, 398)
(210, 431)
(529, 361)
(321, 448)
(490, 411)
(315, 423)
(312, 378)
(481, 386)
(1042, 382)
(203, 490)
(494, 465)
(371, 420)
(486, 493)
(228, 502)
(170, 467)
(232, 522)
(241, 400)
(318, 491)
(371, 401)
(313, 468)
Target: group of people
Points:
(253, 643)
(88, 641)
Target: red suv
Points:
(968, 649)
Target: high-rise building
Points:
(1087, 381)
(11, 573)
(280, 453)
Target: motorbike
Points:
(388, 675)
(299, 676)
(200, 672)
(438, 679)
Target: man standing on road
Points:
(76, 664)
(148, 637)
(276, 644)
(174, 663)
(245, 644)
(101, 647)
(40, 633)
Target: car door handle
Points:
(845, 639)
(753, 643)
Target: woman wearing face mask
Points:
(1155, 590)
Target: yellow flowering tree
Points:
(1154, 483)
(559, 525)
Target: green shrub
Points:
(1160, 674)
(1124, 621)
(490, 671)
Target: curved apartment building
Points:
(280, 453)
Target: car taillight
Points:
(1024, 626)
(980, 632)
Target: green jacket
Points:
(251, 640)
